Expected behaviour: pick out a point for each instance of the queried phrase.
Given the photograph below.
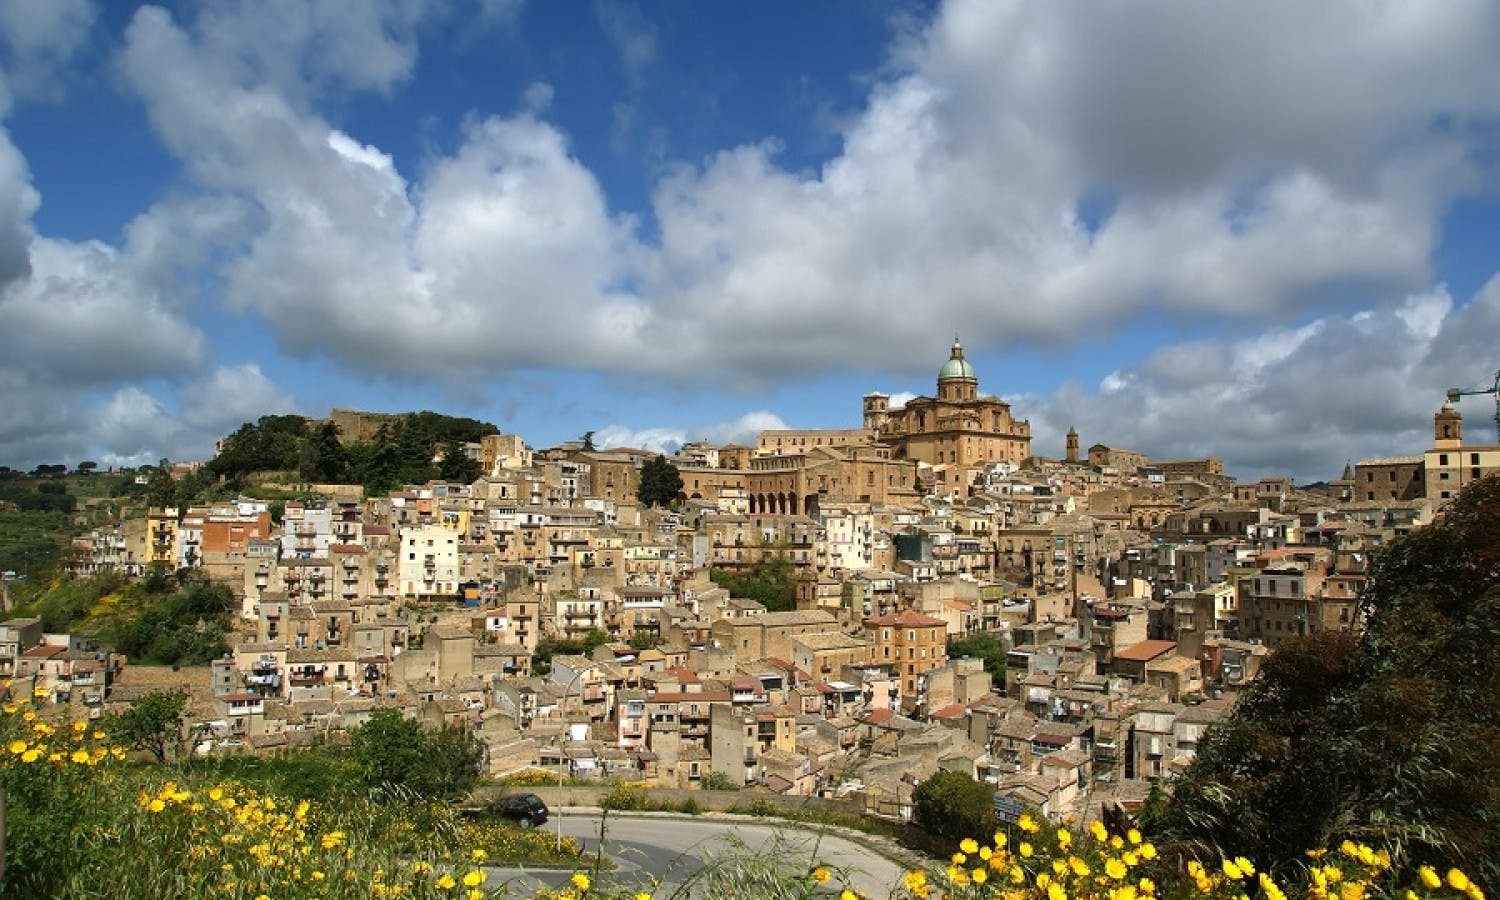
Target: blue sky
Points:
(1261, 233)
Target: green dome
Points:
(956, 366)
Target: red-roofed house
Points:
(910, 642)
(1131, 662)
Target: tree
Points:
(660, 482)
(396, 752)
(87, 467)
(588, 442)
(1390, 736)
(954, 806)
(457, 466)
(982, 645)
(161, 490)
(153, 722)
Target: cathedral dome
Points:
(956, 366)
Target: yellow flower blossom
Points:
(1064, 838)
(979, 876)
(1025, 850)
(1027, 823)
(1458, 880)
(848, 895)
(1056, 892)
(1244, 865)
(1115, 869)
(959, 859)
(968, 845)
(1133, 836)
(821, 875)
(17, 747)
(1096, 828)
(81, 757)
(580, 881)
(445, 882)
(1430, 878)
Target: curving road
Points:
(676, 849)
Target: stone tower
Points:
(1447, 428)
(1072, 456)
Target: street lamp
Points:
(562, 744)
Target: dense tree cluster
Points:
(1389, 737)
(412, 449)
(770, 581)
(33, 495)
(159, 620)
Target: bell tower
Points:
(1447, 428)
(1072, 456)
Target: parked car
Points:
(527, 810)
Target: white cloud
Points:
(40, 37)
(669, 439)
(1291, 401)
(231, 396)
(958, 188)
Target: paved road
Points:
(675, 849)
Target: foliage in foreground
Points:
(82, 823)
(1389, 738)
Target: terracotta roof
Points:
(1146, 650)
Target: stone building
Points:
(959, 428)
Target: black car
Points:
(527, 810)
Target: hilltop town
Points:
(937, 594)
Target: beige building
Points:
(959, 428)
(909, 641)
(1388, 478)
(1451, 464)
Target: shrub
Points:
(624, 796)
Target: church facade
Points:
(957, 429)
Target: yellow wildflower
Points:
(1064, 838)
(1056, 892)
(580, 881)
(821, 875)
(473, 878)
(643, 896)
(17, 747)
(915, 880)
(1027, 823)
(1025, 849)
(1232, 871)
(80, 757)
(1133, 836)
(959, 859)
(1115, 869)
(1079, 867)
(979, 876)
(968, 845)
(1096, 828)
(1458, 880)
(1244, 865)
(445, 882)
(848, 895)
(1148, 851)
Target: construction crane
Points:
(1455, 393)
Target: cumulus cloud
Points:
(670, 439)
(1292, 401)
(1027, 173)
(39, 38)
(231, 396)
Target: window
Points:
(1442, 459)
(1473, 459)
